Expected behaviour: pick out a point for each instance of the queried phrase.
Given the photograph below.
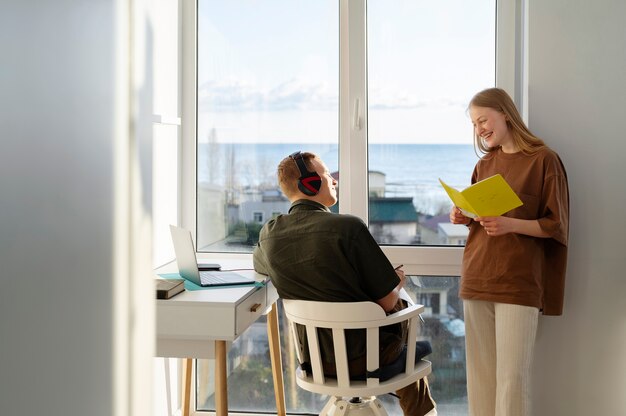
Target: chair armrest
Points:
(404, 314)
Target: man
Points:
(313, 254)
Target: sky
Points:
(268, 70)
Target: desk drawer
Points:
(249, 311)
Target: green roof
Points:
(389, 210)
(392, 210)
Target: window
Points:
(425, 60)
(268, 85)
(384, 104)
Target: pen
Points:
(397, 268)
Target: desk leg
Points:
(277, 366)
(186, 393)
(221, 392)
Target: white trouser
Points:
(500, 340)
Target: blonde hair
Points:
(288, 173)
(497, 99)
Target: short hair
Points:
(498, 99)
(288, 173)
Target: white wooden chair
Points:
(339, 316)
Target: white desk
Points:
(203, 324)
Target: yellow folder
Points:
(488, 198)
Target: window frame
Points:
(511, 62)
(353, 163)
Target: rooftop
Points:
(392, 210)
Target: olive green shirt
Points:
(313, 254)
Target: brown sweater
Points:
(515, 268)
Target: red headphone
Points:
(309, 183)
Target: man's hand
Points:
(389, 301)
(402, 277)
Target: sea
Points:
(411, 170)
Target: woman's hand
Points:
(495, 226)
(457, 217)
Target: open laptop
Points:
(188, 265)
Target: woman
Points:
(514, 264)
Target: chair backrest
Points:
(337, 317)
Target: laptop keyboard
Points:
(212, 278)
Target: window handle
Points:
(357, 119)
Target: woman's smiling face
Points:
(490, 125)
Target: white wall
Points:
(577, 102)
(164, 63)
(74, 305)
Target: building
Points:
(452, 234)
(392, 220)
(438, 229)
(271, 203)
